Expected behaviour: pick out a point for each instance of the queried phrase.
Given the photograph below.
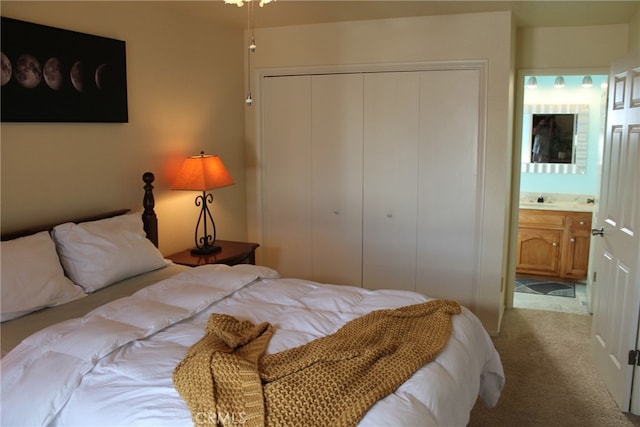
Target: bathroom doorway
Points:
(560, 169)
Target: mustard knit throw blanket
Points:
(333, 380)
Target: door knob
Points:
(597, 231)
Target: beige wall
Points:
(185, 90)
(571, 47)
(409, 40)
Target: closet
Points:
(375, 178)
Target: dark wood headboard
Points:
(149, 218)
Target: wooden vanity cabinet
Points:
(553, 243)
(576, 246)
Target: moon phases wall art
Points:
(55, 75)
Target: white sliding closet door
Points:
(375, 179)
(450, 185)
(312, 177)
(287, 175)
(336, 187)
(391, 160)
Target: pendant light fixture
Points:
(532, 83)
(587, 82)
(250, 51)
(559, 83)
(252, 40)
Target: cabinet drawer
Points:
(581, 221)
(540, 218)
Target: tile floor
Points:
(577, 305)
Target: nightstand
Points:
(232, 253)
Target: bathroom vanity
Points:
(553, 241)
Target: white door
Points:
(336, 178)
(617, 284)
(286, 174)
(312, 177)
(391, 160)
(450, 185)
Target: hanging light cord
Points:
(251, 48)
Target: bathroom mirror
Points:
(566, 126)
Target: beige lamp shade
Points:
(202, 173)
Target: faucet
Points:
(592, 201)
(540, 199)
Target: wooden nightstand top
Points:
(232, 253)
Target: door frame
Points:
(516, 167)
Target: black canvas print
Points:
(55, 75)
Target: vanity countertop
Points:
(557, 202)
(559, 206)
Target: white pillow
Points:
(96, 254)
(32, 277)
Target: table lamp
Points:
(203, 173)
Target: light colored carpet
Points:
(549, 377)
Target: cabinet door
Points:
(336, 178)
(390, 194)
(538, 251)
(577, 240)
(449, 184)
(576, 254)
(286, 175)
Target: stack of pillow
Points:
(46, 270)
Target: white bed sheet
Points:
(114, 366)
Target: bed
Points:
(105, 339)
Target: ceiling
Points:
(537, 13)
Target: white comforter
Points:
(114, 366)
